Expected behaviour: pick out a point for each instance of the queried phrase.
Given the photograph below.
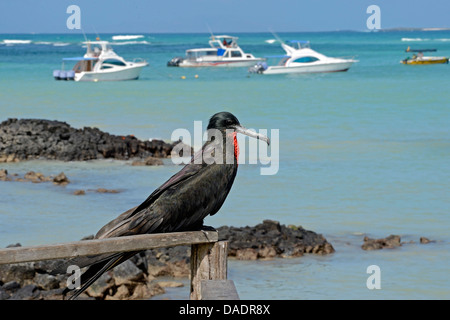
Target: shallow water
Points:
(361, 152)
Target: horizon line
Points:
(426, 29)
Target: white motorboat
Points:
(100, 63)
(300, 58)
(224, 52)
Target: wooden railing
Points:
(208, 257)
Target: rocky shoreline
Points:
(138, 278)
(28, 139)
(145, 275)
(38, 177)
(390, 242)
(34, 177)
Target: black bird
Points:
(180, 204)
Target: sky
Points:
(176, 16)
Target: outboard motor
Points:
(62, 75)
(70, 75)
(56, 74)
(260, 67)
(175, 62)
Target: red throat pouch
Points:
(236, 146)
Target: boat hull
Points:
(319, 68)
(219, 63)
(426, 61)
(128, 73)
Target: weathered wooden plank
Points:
(208, 262)
(218, 290)
(100, 246)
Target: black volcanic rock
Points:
(389, 242)
(26, 139)
(271, 239)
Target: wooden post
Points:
(219, 290)
(208, 262)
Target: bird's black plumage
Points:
(199, 189)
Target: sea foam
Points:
(129, 42)
(127, 37)
(14, 41)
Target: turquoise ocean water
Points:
(365, 152)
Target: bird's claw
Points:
(208, 228)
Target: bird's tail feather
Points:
(80, 262)
(95, 271)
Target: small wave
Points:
(414, 39)
(425, 39)
(127, 37)
(14, 41)
(55, 44)
(129, 42)
(271, 41)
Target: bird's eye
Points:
(229, 121)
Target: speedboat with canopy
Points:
(100, 63)
(300, 58)
(419, 58)
(223, 52)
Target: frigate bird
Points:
(182, 203)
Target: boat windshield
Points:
(95, 49)
(235, 54)
(223, 42)
(201, 53)
(298, 44)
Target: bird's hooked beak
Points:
(252, 134)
